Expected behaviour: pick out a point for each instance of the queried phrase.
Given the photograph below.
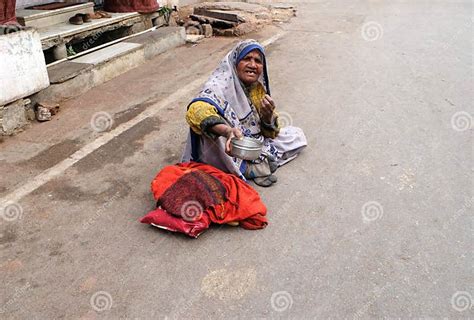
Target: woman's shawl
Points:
(225, 92)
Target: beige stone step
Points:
(46, 18)
(75, 76)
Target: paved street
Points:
(373, 220)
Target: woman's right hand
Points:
(228, 132)
(232, 133)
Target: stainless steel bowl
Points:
(246, 148)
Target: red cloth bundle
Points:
(192, 195)
(163, 220)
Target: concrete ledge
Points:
(70, 78)
(159, 41)
(66, 70)
(108, 53)
(107, 71)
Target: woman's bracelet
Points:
(269, 125)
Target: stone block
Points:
(191, 38)
(13, 117)
(43, 114)
(191, 23)
(192, 30)
(22, 65)
(29, 111)
(245, 28)
(207, 30)
(223, 32)
(263, 16)
(229, 33)
(60, 52)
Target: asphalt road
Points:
(373, 220)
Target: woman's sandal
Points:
(265, 181)
(104, 14)
(77, 20)
(95, 16)
(85, 17)
(273, 178)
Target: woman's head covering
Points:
(224, 89)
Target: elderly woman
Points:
(236, 102)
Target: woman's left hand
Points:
(268, 105)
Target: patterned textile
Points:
(192, 193)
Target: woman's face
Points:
(250, 68)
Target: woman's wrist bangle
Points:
(269, 125)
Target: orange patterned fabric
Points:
(240, 203)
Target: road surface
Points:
(373, 220)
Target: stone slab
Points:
(63, 30)
(218, 23)
(219, 14)
(46, 18)
(233, 6)
(66, 70)
(285, 6)
(107, 53)
(33, 14)
(160, 40)
(156, 35)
